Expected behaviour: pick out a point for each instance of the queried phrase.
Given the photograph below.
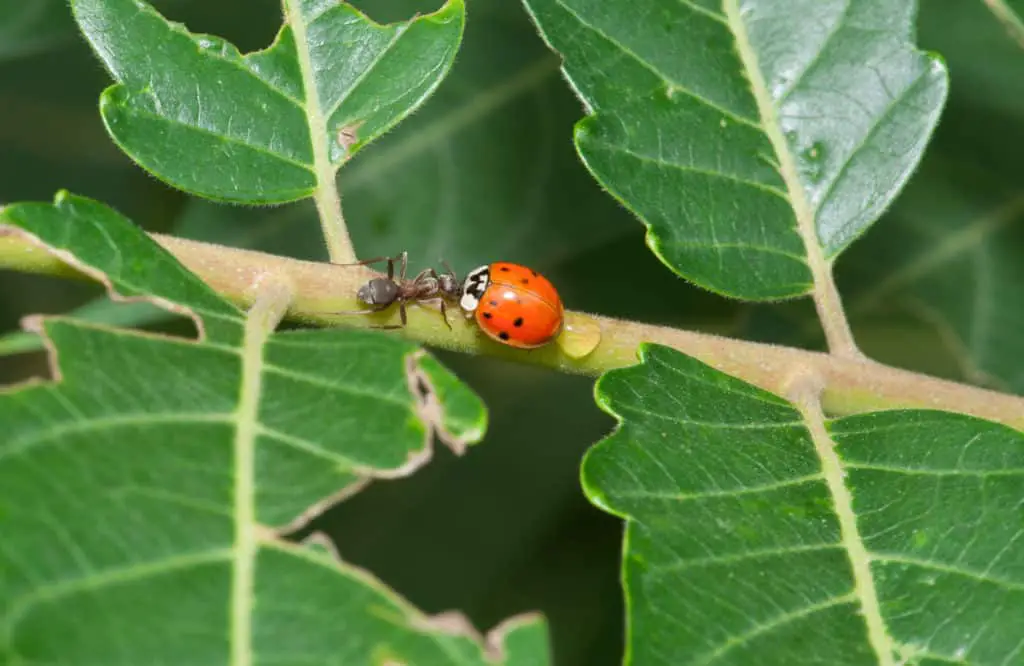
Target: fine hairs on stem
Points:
(850, 384)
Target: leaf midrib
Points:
(773, 131)
(245, 541)
(857, 552)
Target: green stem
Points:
(1008, 18)
(851, 384)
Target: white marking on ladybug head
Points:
(474, 287)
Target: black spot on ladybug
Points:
(503, 335)
(518, 322)
(487, 315)
(525, 280)
(534, 273)
(503, 269)
(494, 304)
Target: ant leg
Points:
(378, 308)
(444, 313)
(426, 272)
(401, 313)
(364, 262)
(405, 263)
(403, 258)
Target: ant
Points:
(427, 286)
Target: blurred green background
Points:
(486, 171)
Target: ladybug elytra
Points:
(513, 304)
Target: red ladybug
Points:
(513, 304)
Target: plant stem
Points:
(850, 384)
(829, 305)
(326, 196)
(1008, 18)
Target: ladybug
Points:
(513, 304)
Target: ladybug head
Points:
(474, 287)
(378, 291)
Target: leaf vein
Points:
(675, 86)
(897, 558)
(760, 629)
(878, 123)
(122, 574)
(735, 492)
(744, 557)
(686, 168)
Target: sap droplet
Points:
(580, 335)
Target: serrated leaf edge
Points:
(31, 323)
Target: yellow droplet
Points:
(580, 335)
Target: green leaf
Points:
(99, 311)
(748, 541)
(936, 285)
(267, 125)
(197, 456)
(750, 139)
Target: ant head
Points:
(378, 291)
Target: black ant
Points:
(427, 286)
